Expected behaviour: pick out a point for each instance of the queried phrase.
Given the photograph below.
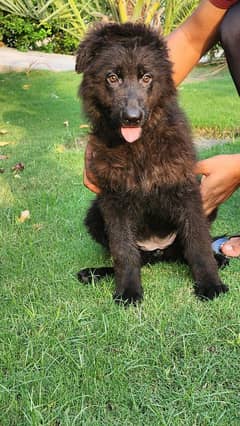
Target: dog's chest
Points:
(124, 169)
(154, 217)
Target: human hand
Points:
(220, 178)
(88, 177)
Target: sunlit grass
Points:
(68, 354)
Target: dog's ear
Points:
(88, 49)
(85, 54)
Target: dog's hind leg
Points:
(96, 227)
(89, 275)
(95, 224)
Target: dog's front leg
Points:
(126, 260)
(125, 255)
(198, 253)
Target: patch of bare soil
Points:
(202, 143)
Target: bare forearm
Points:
(193, 38)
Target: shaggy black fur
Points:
(143, 160)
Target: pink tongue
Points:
(131, 134)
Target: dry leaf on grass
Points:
(25, 215)
(84, 126)
(3, 157)
(4, 143)
(26, 86)
(3, 131)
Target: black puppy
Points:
(150, 206)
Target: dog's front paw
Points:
(130, 295)
(208, 291)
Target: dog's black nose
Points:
(132, 116)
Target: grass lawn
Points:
(68, 354)
(212, 104)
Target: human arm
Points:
(221, 177)
(194, 38)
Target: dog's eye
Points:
(146, 78)
(112, 78)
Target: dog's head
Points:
(126, 75)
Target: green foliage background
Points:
(58, 25)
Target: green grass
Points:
(212, 104)
(68, 354)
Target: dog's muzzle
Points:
(132, 119)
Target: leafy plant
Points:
(167, 14)
(71, 16)
(176, 12)
(27, 8)
(22, 33)
(140, 10)
(28, 34)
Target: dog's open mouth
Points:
(131, 134)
